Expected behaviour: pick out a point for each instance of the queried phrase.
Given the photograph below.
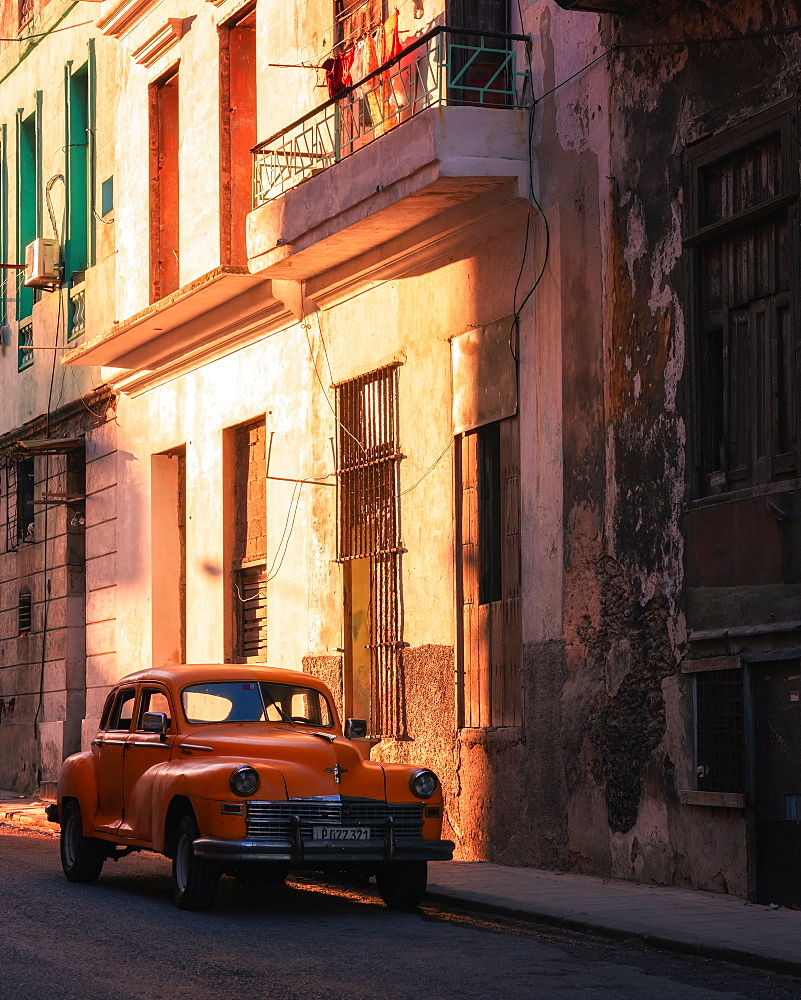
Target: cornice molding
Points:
(161, 41)
(123, 15)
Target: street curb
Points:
(752, 960)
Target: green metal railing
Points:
(446, 66)
(25, 345)
(77, 311)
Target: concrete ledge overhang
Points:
(443, 159)
(199, 314)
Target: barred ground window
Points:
(24, 614)
(19, 492)
(743, 240)
(368, 543)
(720, 731)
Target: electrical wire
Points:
(49, 203)
(428, 471)
(272, 575)
(281, 548)
(306, 327)
(513, 330)
(45, 582)
(44, 34)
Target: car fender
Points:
(78, 780)
(204, 783)
(396, 778)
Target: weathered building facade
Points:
(55, 426)
(471, 387)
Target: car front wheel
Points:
(81, 857)
(402, 884)
(194, 881)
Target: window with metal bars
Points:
(719, 731)
(24, 613)
(368, 534)
(743, 239)
(19, 506)
(355, 18)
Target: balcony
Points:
(427, 144)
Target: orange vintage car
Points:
(243, 770)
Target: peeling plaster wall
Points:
(626, 708)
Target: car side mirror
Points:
(356, 729)
(155, 722)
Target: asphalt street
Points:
(123, 939)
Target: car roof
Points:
(179, 675)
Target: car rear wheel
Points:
(402, 884)
(194, 881)
(81, 857)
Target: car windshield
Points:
(255, 701)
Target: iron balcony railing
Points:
(25, 344)
(77, 312)
(446, 66)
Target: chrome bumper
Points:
(310, 853)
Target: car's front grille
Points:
(274, 819)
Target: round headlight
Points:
(244, 780)
(423, 783)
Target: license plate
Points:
(340, 832)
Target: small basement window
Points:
(24, 614)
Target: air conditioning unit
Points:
(42, 264)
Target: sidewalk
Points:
(697, 923)
(21, 813)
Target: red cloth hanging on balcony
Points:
(391, 47)
(337, 72)
(391, 37)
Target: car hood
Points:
(310, 764)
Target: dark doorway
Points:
(777, 721)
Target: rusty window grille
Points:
(9, 494)
(368, 525)
(355, 18)
(24, 614)
(19, 502)
(720, 729)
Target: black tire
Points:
(82, 857)
(402, 884)
(194, 881)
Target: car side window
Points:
(106, 717)
(154, 700)
(122, 712)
